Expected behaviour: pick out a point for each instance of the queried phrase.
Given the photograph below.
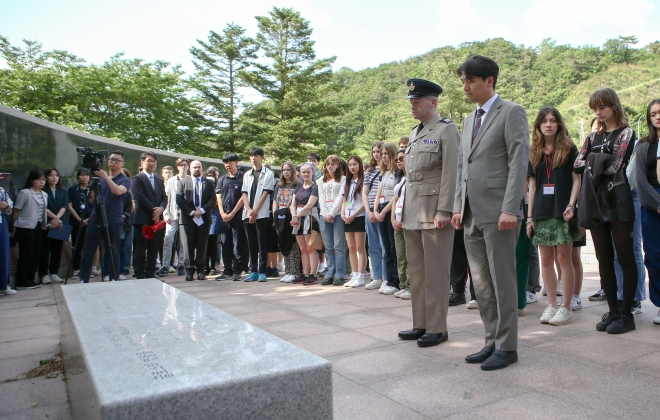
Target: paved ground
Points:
(564, 372)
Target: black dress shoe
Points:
(189, 277)
(413, 334)
(201, 276)
(480, 356)
(499, 360)
(457, 299)
(428, 340)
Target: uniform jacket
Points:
(430, 161)
(146, 198)
(184, 199)
(492, 170)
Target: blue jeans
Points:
(334, 240)
(375, 250)
(92, 240)
(640, 294)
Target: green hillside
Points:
(548, 75)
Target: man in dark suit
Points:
(150, 201)
(195, 197)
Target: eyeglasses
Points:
(399, 159)
(149, 161)
(115, 160)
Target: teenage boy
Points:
(232, 232)
(257, 186)
(171, 217)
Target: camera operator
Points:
(113, 186)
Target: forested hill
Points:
(548, 75)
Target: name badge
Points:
(282, 205)
(299, 209)
(548, 189)
(329, 201)
(398, 209)
(382, 199)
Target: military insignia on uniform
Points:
(411, 87)
(429, 141)
(446, 120)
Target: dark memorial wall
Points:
(27, 142)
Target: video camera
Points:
(92, 160)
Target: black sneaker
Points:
(456, 299)
(598, 296)
(274, 272)
(310, 280)
(622, 325)
(225, 277)
(327, 281)
(607, 319)
(636, 307)
(300, 279)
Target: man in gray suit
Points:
(492, 164)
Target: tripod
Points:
(102, 223)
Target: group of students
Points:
(341, 217)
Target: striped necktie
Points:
(477, 123)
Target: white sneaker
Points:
(367, 275)
(359, 281)
(405, 294)
(559, 291)
(562, 317)
(291, 278)
(383, 286)
(45, 280)
(349, 282)
(531, 298)
(123, 277)
(283, 278)
(9, 291)
(576, 303)
(396, 294)
(81, 282)
(375, 284)
(390, 290)
(472, 304)
(54, 278)
(172, 270)
(321, 268)
(106, 278)
(95, 272)
(548, 313)
(656, 320)
(76, 274)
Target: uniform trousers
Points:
(492, 258)
(401, 259)
(429, 263)
(258, 244)
(234, 246)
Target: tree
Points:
(296, 116)
(622, 49)
(218, 63)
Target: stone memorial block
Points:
(142, 349)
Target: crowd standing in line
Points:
(387, 223)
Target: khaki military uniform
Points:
(431, 160)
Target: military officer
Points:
(431, 160)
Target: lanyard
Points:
(548, 167)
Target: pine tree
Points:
(296, 116)
(218, 62)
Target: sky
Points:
(360, 34)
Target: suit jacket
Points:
(146, 198)
(430, 161)
(29, 207)
(492, 170)
(184, 199)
